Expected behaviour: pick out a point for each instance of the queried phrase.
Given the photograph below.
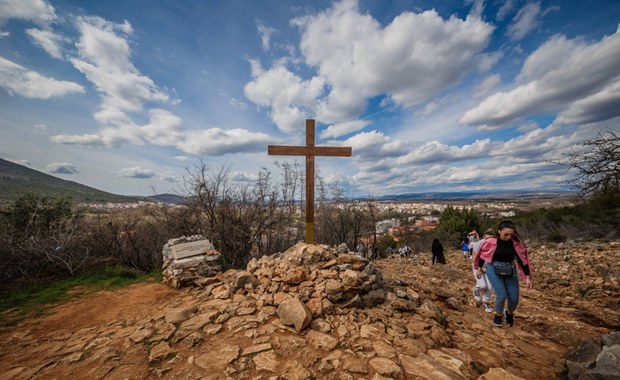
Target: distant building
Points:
(382, 226)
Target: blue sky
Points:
(125, 96)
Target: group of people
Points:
(499, 259)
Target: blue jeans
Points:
(506, 288)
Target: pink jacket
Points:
(487, 249)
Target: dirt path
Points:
(130, 333)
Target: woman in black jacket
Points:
(437, 250)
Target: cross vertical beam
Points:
(309, 151)
(309, 183)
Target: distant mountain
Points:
(16, 180)
(476, 195)
(168, 199)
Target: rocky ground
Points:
(249, 325)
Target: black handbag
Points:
(503, 270)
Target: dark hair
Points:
(508, 224)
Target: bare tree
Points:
(237, 216)
(597, 166)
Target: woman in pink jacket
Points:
(499, 254)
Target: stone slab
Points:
(193, 248)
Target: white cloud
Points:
(164, 128)
(237, 103)
(181, 158)
(487, 85)
(476, 9)
(337, 130)
(429, 108)
(167, 177)
(265, 34)
(525, 21)
(62, 168)
(356, 59)
(601, 106)
(37, 11)
(84, 140)
(372, 145)
(585, 79)
(434, 151)
(40, 127)
(48, 40)
(287, 94)
(104, 58)
(19, 80)
(507, 6)
(520, 163)
(239, 176)
(216, 141)
(136, 172)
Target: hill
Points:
(16, 180)
(429, 326)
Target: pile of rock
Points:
(594, 360)
(189, 260)
(325, 279)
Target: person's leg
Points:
(512, 288)
(476, 290)
(501, 293)
(486, 294)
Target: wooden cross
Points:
(309, 151)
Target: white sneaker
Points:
(486, 307)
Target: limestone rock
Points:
(386, 367)
(499, 374)
(293, 312)
(160, 353)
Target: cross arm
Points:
(288, 150)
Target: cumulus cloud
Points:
(355, 58)
(38, 11)
(16, 79)
(372, 145)
(583, 84)
(61, 168)
(167, 177)
(216, 141)
(48, 40)
(238, 176)
(520, 162)
(164, 129)
(340, 129)
(104, 58)
(289, 96)
(136, 172)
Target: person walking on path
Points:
(497, 257)
(465, 247)
(437, 250)
(482, 288)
